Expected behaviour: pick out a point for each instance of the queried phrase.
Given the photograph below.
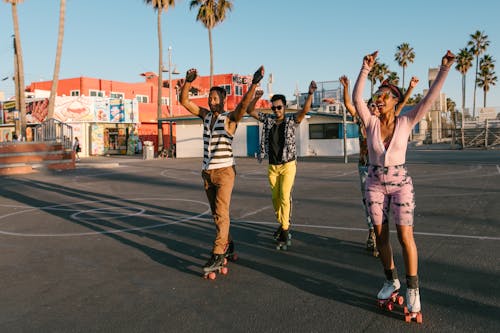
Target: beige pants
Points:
(218, 184)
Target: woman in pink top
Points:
(388, 185)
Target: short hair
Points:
(394, 89)
(278, 97)
(221, 91)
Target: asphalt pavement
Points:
(117, 245)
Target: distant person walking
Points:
(77, 149)
(371, 244)
(218, 167)
(278, 143)
(388, 186)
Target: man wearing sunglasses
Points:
(278, 143)
(218, 170)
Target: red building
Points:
(146, 93)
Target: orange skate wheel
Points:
(407, 318)
(419, 318)
(224, 270)
(225, 261)
(212, 275)
(400, 300)
(390, 306)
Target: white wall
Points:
(323, 147)
(190, 142)
(189, 139)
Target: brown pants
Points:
(218, 184)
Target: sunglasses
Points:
(274, 108)
(384, 94)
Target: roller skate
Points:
(284, 240)
(412, 308)
(230, 253)
(216, 264)
(277, 233)
(371, 243)
(389, 296)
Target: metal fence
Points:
(53, 130)
(477, 134)
(484, 134)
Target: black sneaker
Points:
(215, 262)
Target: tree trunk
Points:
(160, 82)
(404, 87)
(57, 65)
(475, 86)
(20, 72)
(463, 111)
(484, 101)
(211, 57)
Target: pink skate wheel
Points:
(224, 270)
(419, 318)
(225, 261)
(390, 306)
(407, 318)
(235, 257)
(212, 275)
(400, 300)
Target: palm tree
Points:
(160, 6)
(487, 76)
(57, 65)
(393, 78)
(415, 99)
(464, 62)
(19, 70)
(211, 13)
(378, 72)
(404, 56)
(479, 43)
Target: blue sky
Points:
(297, 41)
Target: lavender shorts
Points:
(390, 189)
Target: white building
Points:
(319, 134)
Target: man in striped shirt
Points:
(218, 170)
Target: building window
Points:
(164, 100)
(324, 131)
(238, 90)
(227, 87)
(142, 98)
(74, 93)
(117, 95)
(96, 93)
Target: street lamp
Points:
(170, 72)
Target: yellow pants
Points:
(281, 179)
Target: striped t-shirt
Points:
(217, 143)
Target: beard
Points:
(218, 108)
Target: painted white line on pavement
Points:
(113, 231)
(364, 230)
(254, 212)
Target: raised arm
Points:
(359, 103)
(419, 111)
(242, 107)
(299, 116)
(347, 99)
(184, 98)
(251, 108)
(413, 83)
